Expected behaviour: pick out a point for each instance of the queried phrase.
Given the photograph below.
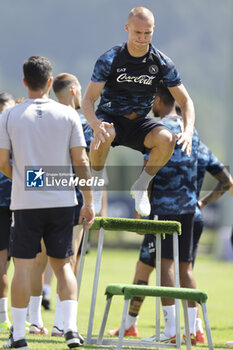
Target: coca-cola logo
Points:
(142, 79)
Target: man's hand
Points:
(101, 133)
(185, 138)
(201, 204)
(87, 213)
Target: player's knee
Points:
(161, 137)
(168, 139)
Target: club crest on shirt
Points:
(153, 69)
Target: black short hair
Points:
(37, 71)
(165, 95)
(5, 97)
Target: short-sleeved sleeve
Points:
(170, 74)
(4, 136)
(103, 65)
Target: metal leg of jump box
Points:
(104, 321)
(82, 259)
(123, 320)
(95, 285)
(186, 323)
(177, 284)
(158, 283)
(207, 326)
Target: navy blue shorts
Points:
(198, 228)
(54, 225)
(5, 227)
(185, 239)
(148, 250)
(130, 133)
(77, 209)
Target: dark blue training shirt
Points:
(5, 189)
(88, 134)
(206, 162)
(131, 82)
(174, 189)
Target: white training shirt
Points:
(40, 133)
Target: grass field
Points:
(118, 266)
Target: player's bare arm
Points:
(82, 169)
(225, 182)
(5, 165)
(88, 106)
(231, 190)
(182, 97)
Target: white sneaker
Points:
(142, 203)
(34, 329)
(56, 332)
(97, 196)
(163, 338)
(149, 339)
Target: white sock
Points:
(98, 173)
(169, 320)
(69, 309)
(142, 183)
(131, 321)
(47, 289)
(192, 314)
(58, 318)
(98, 190)
(18, 318)
(4, 310)
(28, 315)
(35, 311)
(199, 325)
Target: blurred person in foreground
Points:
(42, 132)
(126, 79)
(6, 101)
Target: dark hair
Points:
(5, 97)
(165, 95)
(37, 71)
(62, 81)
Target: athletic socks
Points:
(58, 318)
(131, 321)
(35, 311)
(169, 320)
(18, 318)
(4, 310)
(69, 310)
(142, 183)
(192, 314)
(98, 191)
(139, 193)
(199, 325)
